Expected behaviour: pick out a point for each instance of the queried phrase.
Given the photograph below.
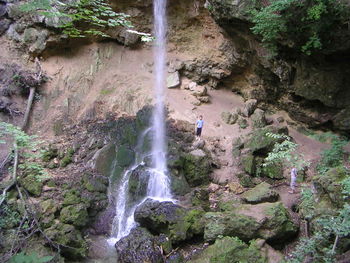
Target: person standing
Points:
(199, 126)
(293, 179)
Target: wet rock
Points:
(125, 156)
(168, 218)
(102, 224)
(260, 194)
(259, 119)
(173, 80)
(138, 183)
(230, 249)
(138, 247)
(249, 107)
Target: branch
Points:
(14, 174)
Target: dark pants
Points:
(199, 131)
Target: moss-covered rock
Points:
(179, 185)
(329, 184)
(258, 119)
(125, 156)
(242, 123)
(72, 197)
(176, 222)
(230, 224)
(260, 193)
(74, 246)
(200, 198)
(32, 184)
(76, 215)
(49, 153)
(230, 250)
(95, 183)
(196, 167)
(245, 180)
(249, 164)
(259, 143)
(138, 182)
(103, 159)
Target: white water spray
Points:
(158, 185)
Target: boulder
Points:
(76, 215)
(259, 119)
(103, 159)
(196, 167)
(95, 183)
(235, 188)
(249, 107)
(173, 80)
(273, 171)
(270, 221)
(260, 194)
(198, 91)
(259, 143)
(342, 119)
(125, 156)
(4, 25)
(73, 246)
(138, 183)
(168, 218)
(249, 163)
(230, 249)
(138, 247)
(32, 184)
(229, 118)
(242, 123)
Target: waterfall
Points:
(158, 186)
(158, 183)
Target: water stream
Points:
(158, 186)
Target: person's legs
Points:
(199, 132)
(292, 184)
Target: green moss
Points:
(95, 184)
(68, 157)
(249, 164)
(32, 184)
(72, 197)
(260, 193)
(107, 91)
(179, 185)
(74, 214)
(196, 169)
(273, 171)
(260, 143)
(49, 154)
(230, 250)
(125, 156)
(245, 180)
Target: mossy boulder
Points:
(230, 250)
(138, 247)
(259, 119)
(95, 183)
(32, 184)
(229, 224)
(49, 153)
(138, 182)
(176, 222)
(260, 194)
(72, 197)
(103, 159)
(329, 184)
(259, 143)
(245, 180)
(125, 156)
(200, 198)
(269, 221)
(249, 163)
(179, 185)
(76, 215)
(196, 167)
(74, 246)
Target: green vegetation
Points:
(306, 25)
(83, 17)
(285, 152)
(29, 258)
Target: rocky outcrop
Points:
(138, 247)
(176, 222)
(260, 194)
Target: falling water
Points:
(158, 186)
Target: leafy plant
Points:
(29, 258)
(285, 152)
(9, 217)
(83, 17)
(306, 25)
